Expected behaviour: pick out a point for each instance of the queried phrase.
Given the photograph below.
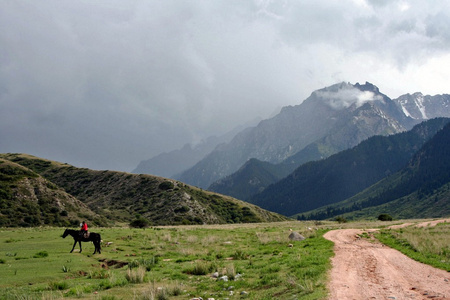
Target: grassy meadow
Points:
(180, 262)
(167, 263)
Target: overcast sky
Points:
(106, 84)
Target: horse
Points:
(78, 237)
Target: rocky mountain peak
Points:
(424, 107)
(344, 95)
(367, 87)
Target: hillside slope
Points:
(250, 179)
(28, 199)
(120, 197)
(421, 189)
(347, 173)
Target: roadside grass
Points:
(179, 262)
(429, 245)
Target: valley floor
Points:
(366, 269)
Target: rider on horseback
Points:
(84, 230)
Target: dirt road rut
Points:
(364, 269)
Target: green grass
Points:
(179, 262)
(429, 245)
(167, 262)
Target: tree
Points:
(384, 217)
(140, 222)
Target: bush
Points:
(385, 217)
(140, 222)
(166, 185)
(341, 220)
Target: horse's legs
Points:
(97, 247)
(73, 246)
(79, 242)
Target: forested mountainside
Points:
(341, 176)
(419, 190)
(65, 195)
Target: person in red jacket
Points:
(84, 229)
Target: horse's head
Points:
(66, 232)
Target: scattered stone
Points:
(230, 288)
(224, 278)
(215, 275)
(295, 236)
(238, 276)
(290, 245)
(244, 293)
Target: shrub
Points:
(341, 220)
(140, 222)
(166, 185)
(384, 217)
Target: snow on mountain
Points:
(420, 107)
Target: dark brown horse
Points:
(78, 237)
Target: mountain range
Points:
(347, 150)
(347, 173)
(330, 120)
(421, 189)
(171, 164)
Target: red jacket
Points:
(84, 227)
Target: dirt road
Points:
(363, 269)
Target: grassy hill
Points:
(119, 197)
(28, 199)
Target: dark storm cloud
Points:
(105, 84)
